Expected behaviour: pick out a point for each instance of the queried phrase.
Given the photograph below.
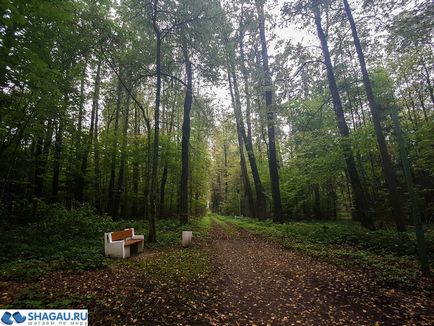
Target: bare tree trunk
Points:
(56, 162)
(272, 151)
(162, 207)
(80, 182)
(185, 143)
(236, 103)
(226, 174)
(135, 166)
(152, 234)
(81, 106)
(415, 210)
(41, 156)
(388, 169)
(98, 205)
(121, 189)
(147, 186)
(111, 187)
(361, 207)
(260, 197)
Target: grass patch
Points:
(389, 255)
(169, 231)
(226, 226)
(178, 265)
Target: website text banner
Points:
(51, 317)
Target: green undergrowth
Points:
(33, 297)
(169, 231)
(73, 240)
(388, 255)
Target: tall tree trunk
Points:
(147, 186)
(56, 162)
(39, 168)
(226, 174)
(245, 73)
(41, 155)
(236, 104)
(388, 169)
(82, 100)
(185, 143)
(121, 189)
(111, 187)
(95, 104)
(260, 197)
(166, 167)
(163, 190)
(152, 234)
(135, 165)
(80, 182)
(272, 151)
(415, 210)
(361, 207)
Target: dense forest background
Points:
(119, 105)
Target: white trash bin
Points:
(187, 236)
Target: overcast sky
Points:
(290, 33)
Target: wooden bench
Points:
(122, 244)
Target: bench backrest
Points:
(120, 235)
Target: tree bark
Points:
(121, 189)
(388, 169)
(152, 234)
(41, 156)
(236, 103)
(95, 141)
(162, 207)
(260, 197)
(185, 143)
(111, 187)
(80, 182)
(415, 210)
(361, 207)
(56, 164)
(134, 210)
(272, 151)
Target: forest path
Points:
(229, 276)
(264, 284)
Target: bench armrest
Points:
(138, 236)
(115, 249)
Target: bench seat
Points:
(121, 244)
(131, 242)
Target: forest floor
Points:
(231, 276)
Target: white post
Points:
(187, 236)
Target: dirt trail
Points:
(265, 284)
(249, 281)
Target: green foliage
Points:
(33, 297)
(169, 231)
(72, 240)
